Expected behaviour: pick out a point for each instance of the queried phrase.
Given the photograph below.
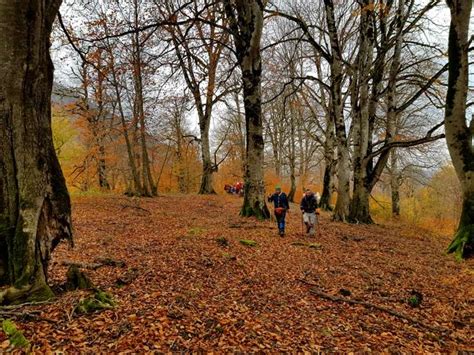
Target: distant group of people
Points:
(236, 189)
(309, 207)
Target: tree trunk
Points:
(137, 188)
(207, 165)
(360, 211)
(102, 168)
(458, 135)
(149, 187)
(35, 207)
(246, 21)
(341, 211)
(395, 184)
(328, 184)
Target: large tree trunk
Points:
(360, 212)
(246, 20)
(35, 207)
(458, 135)
(341, 212)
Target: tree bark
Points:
(458, 135)
(148, 185)
(137, 188)
(246, 21)
(35, 208)
(395, 184)
(359, 211)
(341, 211)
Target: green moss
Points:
(40, 294)
(101, 300)
(248, 242)
(463, 242)
(16, 337)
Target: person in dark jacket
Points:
(281, 206)
(309, 207)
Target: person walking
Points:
(309, 207)
(281, 206)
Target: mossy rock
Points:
(16, 337)
(100, 301)
(248, 242)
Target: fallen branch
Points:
(91, 266)
(98, 263)
(390, 311)
(136, 207)
(17, 306)
(33, 315)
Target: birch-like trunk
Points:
(34, 202)
(246, 21)
(341, 211)
(458, 135)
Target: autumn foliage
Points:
(187, 283)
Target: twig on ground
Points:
(390, 311)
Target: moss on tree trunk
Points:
(35, 206)
(462, 244)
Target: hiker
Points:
(281, 205)
(309, 207)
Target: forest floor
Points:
(193, 293)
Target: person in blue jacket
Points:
(281, 206)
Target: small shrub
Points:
(415, 299)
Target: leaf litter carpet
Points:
(189, 284)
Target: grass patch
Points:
(195, 231)
(248, 242)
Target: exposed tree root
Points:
(26, 294)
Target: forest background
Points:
(134, 112)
